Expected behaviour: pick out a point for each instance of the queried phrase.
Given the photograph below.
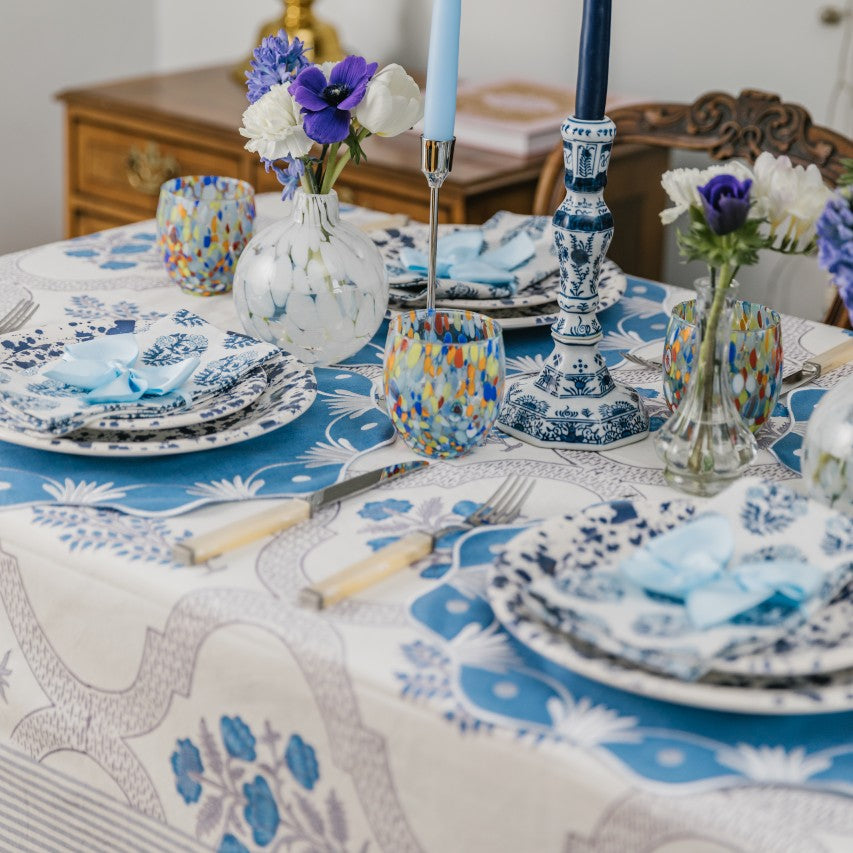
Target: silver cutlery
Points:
(18, 315)
(501, 508)
(200, 548)
(818, 365)
(811, 369)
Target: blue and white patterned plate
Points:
(234, 399)
(31, 402)
(808, 670)
(291, 389)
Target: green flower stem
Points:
(705, 362)
(333, 173)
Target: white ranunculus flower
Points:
(273, 125)
(392, 103)
(775, 188)
(681, 185)
(790, 197)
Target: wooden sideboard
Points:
(124, 139)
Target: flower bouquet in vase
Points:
(734, 212)
(313, 284)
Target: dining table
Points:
(147, 704)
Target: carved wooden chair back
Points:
(724, 127)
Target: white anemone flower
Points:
(682, 185)
(273, 125)
(392, 103)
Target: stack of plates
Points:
(806, 667)
(533, 302)
(255, 401)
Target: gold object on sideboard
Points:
(148, 169)
(298, 21)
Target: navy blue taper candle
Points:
(593, 60)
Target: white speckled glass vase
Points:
(312, 284)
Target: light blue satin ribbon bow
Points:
(104, 368)
(459, 256)
(691, 563)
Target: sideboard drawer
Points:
(128, 168)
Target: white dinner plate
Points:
(798, 676)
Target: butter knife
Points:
(197, 549)
(817, 366)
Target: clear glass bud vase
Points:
(706, 444)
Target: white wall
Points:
(660, 49)
(46, 46)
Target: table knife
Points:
(282, 516)
(817, 366)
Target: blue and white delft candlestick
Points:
(574, 402)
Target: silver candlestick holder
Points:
(436, 163)
(573, 402)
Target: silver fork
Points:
(502, 507)
(19, 315)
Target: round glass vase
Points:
(312, 284)
(706, 444)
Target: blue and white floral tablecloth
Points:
(150, 706)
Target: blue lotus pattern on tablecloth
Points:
(343, 423)
(117, 249)
(253, 790)
(87, 307)
(483, 681)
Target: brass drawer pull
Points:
(148, 169)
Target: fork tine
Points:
(9, 317)
(30, 311)
(508, 504)
(19, 315)
(510, 512)
(487, 507)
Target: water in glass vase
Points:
(706, 445)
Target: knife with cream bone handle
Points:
(282, 516)
(818, 365)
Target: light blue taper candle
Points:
(442, 70)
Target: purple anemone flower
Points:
(275, 61)
(326, 104)
(726, 203)
(835, 245)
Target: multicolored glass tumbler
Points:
(444, 379)
(755, 358)
(203, 224)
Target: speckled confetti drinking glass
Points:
(203, 224)
(444, 378)
(755, 357)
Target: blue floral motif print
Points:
(170, 349)
(253, 793)
(769, 509)
(302, 762)
(261, 812)
(230, 844)
(186, 764)
(234, 340)
(87, 307)
(116, 250)
(187, 319)
(238, 738)
(838, 536)
(380, 510)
